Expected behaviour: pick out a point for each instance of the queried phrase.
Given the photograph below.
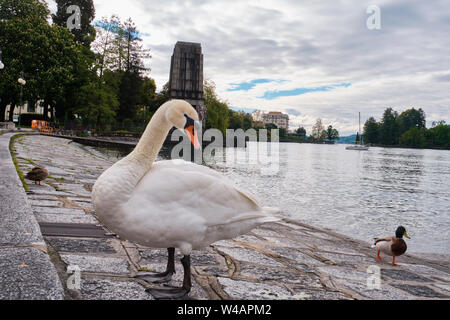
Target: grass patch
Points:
(16, 163)
(30, 161)
(62, 179)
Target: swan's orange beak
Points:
(192, 134)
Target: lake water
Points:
(363, 194)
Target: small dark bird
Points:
(392, 246)
(37, 174)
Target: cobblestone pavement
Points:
(285, 260)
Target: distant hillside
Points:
(348, 139)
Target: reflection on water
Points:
(360, 194)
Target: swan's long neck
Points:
(151, 141)
(121, 179)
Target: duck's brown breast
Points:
(398, 247)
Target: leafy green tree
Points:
(21, 26)
(248, 121)
(370, 131)
(129, 95)
(86, 33)
(47, 55)
(301, 132)
(135, 55)
(32, 10)
(332, 133)
(99, 105)
(411, 118)
(235, 120)
(439, 136)
(389, 130)
(414, 137)
(216, 111)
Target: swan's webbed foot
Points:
(168, 294)
(154, 277)
(175, 293)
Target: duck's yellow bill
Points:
(406, 235)
(192, 135)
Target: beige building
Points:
(25, 108)
(281, 120)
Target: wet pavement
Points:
(285, 260)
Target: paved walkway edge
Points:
(26, 271)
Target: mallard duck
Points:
(172, 203)
(392, 246)
(37, 174)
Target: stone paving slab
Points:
(28, 274)
(94, 264)
(65, 218)
(284, 260)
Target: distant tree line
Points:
(406, 129)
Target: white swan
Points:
(174, 203)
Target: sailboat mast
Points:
(360, 134)
(359, 121)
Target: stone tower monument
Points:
(186, 76)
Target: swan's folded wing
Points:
(172, 191)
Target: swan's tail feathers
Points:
(271, 211)
(252, 217)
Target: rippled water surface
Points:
(362, 194)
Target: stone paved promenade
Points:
(284, 260)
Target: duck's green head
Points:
(400, 232)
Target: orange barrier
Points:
(46, 129)
(42, 126)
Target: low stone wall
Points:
(7, 125)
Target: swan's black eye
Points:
(189, 122)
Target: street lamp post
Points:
(22, 82)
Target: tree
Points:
(103, 45)
(318, 131)
(301, 132)
(414, 137)
(217, 115)
(248, 121)
(48, 56)
(370, 131)
(439, 136)
(86, 33)
(235, 120)
(99, 105)
(411, 118)
(332, 134)
(135, 55)
(389, 131)
(32, 10)
(21, 26)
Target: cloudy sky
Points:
(309, 59)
